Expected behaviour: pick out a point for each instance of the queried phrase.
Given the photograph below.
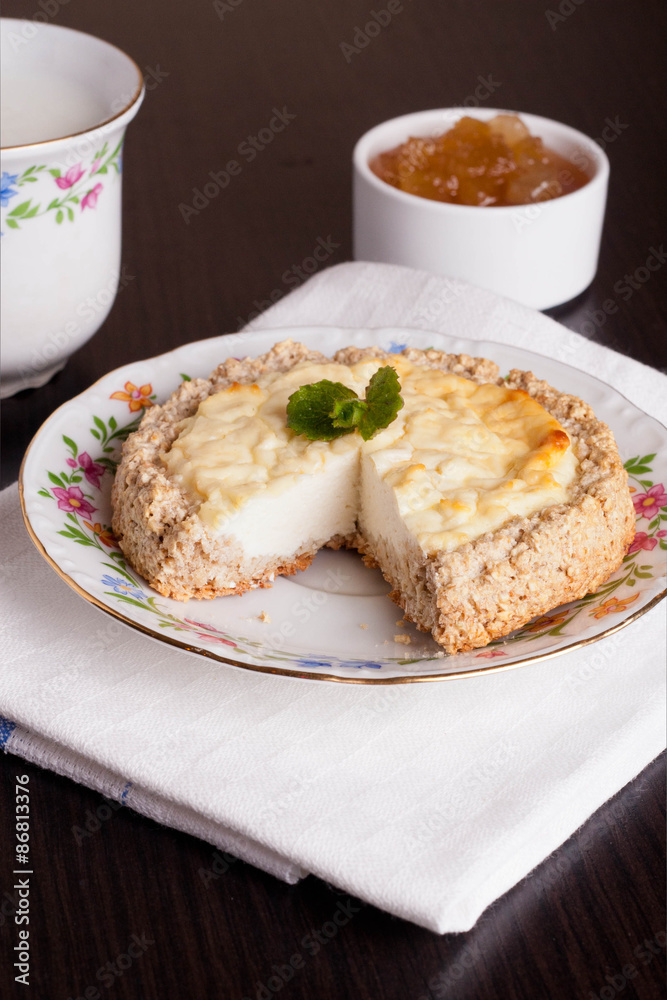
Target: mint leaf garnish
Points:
(326, 410)
(348, 412)
(384, 400)
(309, 410)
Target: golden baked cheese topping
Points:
(461, 458)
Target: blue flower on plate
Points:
(6, 189)
(339, 663)
(395, 348)
(123, 587)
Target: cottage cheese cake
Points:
(484, 503)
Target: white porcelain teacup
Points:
(67, 99)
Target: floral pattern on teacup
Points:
(75, 187)
(7, 189)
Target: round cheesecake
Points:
(484, 503)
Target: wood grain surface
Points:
(589, 922)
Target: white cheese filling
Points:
(460, 460)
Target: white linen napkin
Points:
(427, 800)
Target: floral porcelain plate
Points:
(333, 621)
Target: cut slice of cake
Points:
(484, 503)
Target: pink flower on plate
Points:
(490, 653)
(96, 166)
(73, 175)
(643, 541)
(215, 638)
(203, 626)
(72, 500)
(89, 200)
(93, 471)
(648, 504)
(217, 635)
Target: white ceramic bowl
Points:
(541, 255)
(67, 99)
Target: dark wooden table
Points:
(577, 926)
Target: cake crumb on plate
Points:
(405, 639)
(263, 617)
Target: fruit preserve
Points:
(497, 162)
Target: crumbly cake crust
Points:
(481, 591)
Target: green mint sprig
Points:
(326, 410)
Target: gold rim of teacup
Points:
(91, 128)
